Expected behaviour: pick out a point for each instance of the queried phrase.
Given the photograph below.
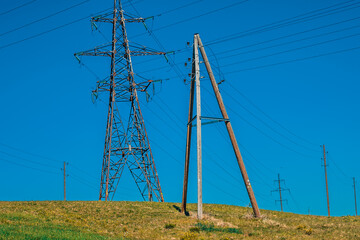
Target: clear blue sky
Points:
(46, 108)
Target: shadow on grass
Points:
(179, 210)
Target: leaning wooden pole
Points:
(188, 138)
(230, 131)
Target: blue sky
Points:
(302, 73)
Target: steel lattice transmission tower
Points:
(126, 143)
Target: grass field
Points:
(144, 220)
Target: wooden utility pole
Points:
(355, 197)
(198, 128)
(326, 181)
(225, 118)
(230, 131)
(281, 202)
(188, 137)
(64, 181)
(195, 79)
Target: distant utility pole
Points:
(279, 190)
(355, 197)
(195, 79)
(64, 170)
(326, 181)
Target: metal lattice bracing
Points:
(126, 141)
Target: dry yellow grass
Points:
(144, 220)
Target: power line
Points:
(205, 179)
(265, 123)
(281, 23)
(292, 50)
(255, 170)
(278, 53)
(263, 133)
(267, 115)
(40, 156)
(24, 159)
(82, 181)
(50, 30)
(25, 166)
(209, 156)
(44, 18)
(172, 63)
(208, 148)
(294, 60)
(85, 172)
(54, 29)
(18, 7)
(339, 169)
(29, 153)
(288, 36)
(197, 16)
(267, 135)
(178, 8)
(295, 41)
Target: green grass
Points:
(144, 220)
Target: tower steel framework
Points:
(126, 143)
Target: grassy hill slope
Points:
(144, 220)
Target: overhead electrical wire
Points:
(209, 149)
(275, 39)
(178, 8)
(267, 135)
(82, 181)
(224, 136)
(298, 40)
(27, 160)
(29, 153)
(260, 173)
(54, 29)
(171, 61)
(25, 166)
(265, 123)
(282, 23)
(18, 7)
(291, 50)
(288, 36)
(50, 30)
(338, 167)
(43, 18)
(181, 150)
(36, 162)
(262, 132)
(194, 17)
(281, 52)
(180, 121)
(294, 60)
(59, 27)
(267, 115)
(209, 155)
(181, 164)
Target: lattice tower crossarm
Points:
(126, 143)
